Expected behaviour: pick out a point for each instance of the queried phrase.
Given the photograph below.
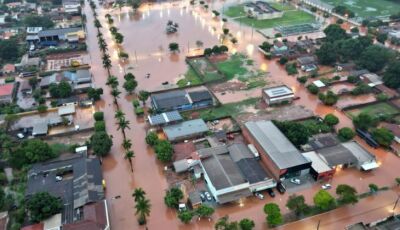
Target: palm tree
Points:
(123, 124)
(138, 194)
(119, 38)
(115, 93)
(126, 144)
(173, 47)
(143, 96)
(119, 115)
(113, 30)
(108, 16)
(143, 210)
(112, 81)
(97, 23)
(107, 62)
(128, 156)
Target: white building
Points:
(277, 94)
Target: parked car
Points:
(295, 181)
(281, 188)
(202, 197)
(259, 195)
(59, 178)
(165, 83)
(208, 196)
(271, 192)
(20, 136)
(326, 186)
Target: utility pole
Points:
(319, 222)
(395, 204)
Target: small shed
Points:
(194, 199)
(66, 110)
(40, 129)
(319, 83)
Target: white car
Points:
(259, 195)
(208, 196)
(59, 178)
(326, 186)
(295, 181)
(20, 136)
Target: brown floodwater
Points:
(147, 44)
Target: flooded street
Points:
(147, 45)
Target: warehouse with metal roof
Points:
(186, 130)
(165, 118)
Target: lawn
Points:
(289, 18)
(367, 8)
(205, 72)
(232, 66)
(231, 109)
(190, 76)
(235, 11)
(380, 109)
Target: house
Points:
(277, 95)
(9, 68)
(185, 130)
(319, 170)
(164, 118)
(194, 200)
(54, 36)
(95, 217)
(279, 155)
(279, 49)
(319, 84)
(321, 5)
(306, 60)
(75, 179)
(55, 78)
(371, 79)
(6, 93)
(32, 34)
(56, 62)
(181, 100)
(261, 10)
(25, 87)
(80, 80)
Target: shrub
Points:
(346, 134)
(352, 79)
(291, 68)
(302, 79)
(135, 103)
(139, 111)
(42, 108)
(313, 89)
(283, 60)
(99, 126)
(98, 116)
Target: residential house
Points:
(72, 7)
(319, 170)
(307, 63)
(81, 80)
(280, 156)
(277, 95)
(54, 36)
(9, 68)
(164, 118)
(32, 34)
(6, 93)
(185, 130)
(25, 87)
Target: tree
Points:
(138, 194)
(42, 108)
(185, 216)
(297, 204)
(106, 62)
(112, 81)
(143, 210)
(31, 151)
(172, 197)
(101, 143)
(364, 121)
(152, 138)
(383, 136)
(297, 133)
(33, 82)
(119, 38)
(391, 76)
(98, 116)
(223, 223)
(313, 89)
(9, 50)
(126, 144)
(143, 96)
(324, 201)
(347, 194)
(327, 54)
(204, 211)
(163, 151)
(381, 38)
(397, 179)
(129, 76)
(173, 47)
(130, 85)
(115, 93)
(273, 212)
(38, 21)
(119, 115)
(334, 33)
(42, 206)
(331, 120)
(246, 224)
(99, 126)
(95, 94)
(128, 156)
(64, 89)
(330, 98)
(374, 58)
(346, 134)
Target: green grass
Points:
(282, 7)
(235, 11)
(231, 109)
(366, 8)
(232, 66)
(289, 18)
(190, 76)
(380, 109)
(60, 148)
(257, 83)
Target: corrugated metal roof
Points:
(165, 118)
(275, 144)
(186, 128)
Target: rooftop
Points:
(164, 118)
(317, 164)
(6, 90)
(275, 144)
(278, 91)
(337, 155)
(185, 128)
(170, 99)
(58, 31)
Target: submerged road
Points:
(147, 44)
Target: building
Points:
(72, 7)
(164, 118)
(9, 68)
(76, 179)
(81, 80)
(52, 37)
(280, 156)
(261, 10)
(56, 62)
(181, 100)
(6, 93)
(185, 130)
(307, 63)
(319, 170)
(25, 87)
(32, 34)
(321, 5)
(95, 217)
(277, 95)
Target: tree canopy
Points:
(61, 90)
(273, 212)
(383, 136)
(31, 151)
(335, 33)
(347, 194)
(9, 50)
(151, 138)
(324, 200)
(42, 206)
(374, 58)
(364, 121)
(346, 134)
(172, 197)
(101, 143)
(38, 21)
(204, 211)
(297, 133)
(297, 204)
(331, 120)
(164, 150)
(391, 77)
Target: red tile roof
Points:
(38, 226)
(8, 68)
(6, 89)
(94, 218)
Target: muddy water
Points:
(147, 44)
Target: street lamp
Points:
(395, 204)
